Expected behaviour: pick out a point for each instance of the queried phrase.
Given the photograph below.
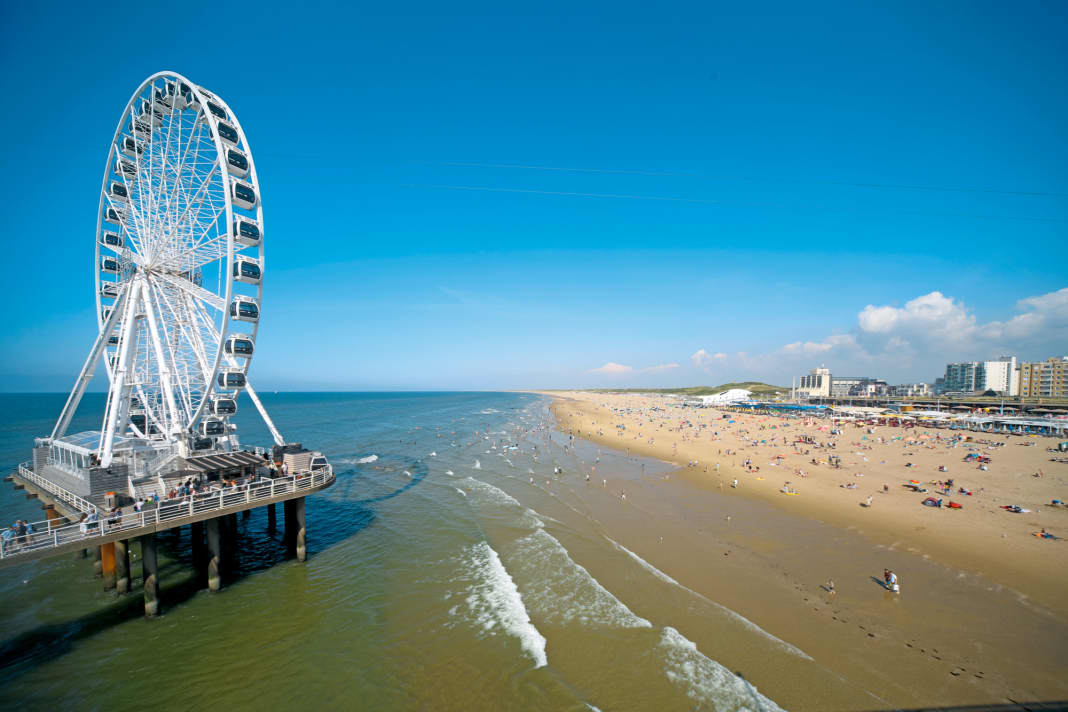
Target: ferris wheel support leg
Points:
(88, 369)
(278, 439)
(119, 395)
(164, 370)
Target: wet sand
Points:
(981, 618)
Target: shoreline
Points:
(958, 589)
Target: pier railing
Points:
(50, 534)
(79, 503)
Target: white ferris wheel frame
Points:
(161, 259)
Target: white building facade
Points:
(1002, 376)
(817, 384)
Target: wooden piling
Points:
(107, 564)
(214, 555)
(150, 567)
(298, 517)
(122, 566)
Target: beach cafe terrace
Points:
(767, 407)
(995, 424)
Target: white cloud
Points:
(1048, 312)
(703, 359)
(612, 369)
(807, 347)
(617, 369)
(931, 315)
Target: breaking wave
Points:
(495, 603)
(735, 616)
(706, 681)
(563, 591)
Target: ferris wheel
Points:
(179, 271)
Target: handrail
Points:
(79, 503)
(49, 535)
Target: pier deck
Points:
(53, 537)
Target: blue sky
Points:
(760, 190)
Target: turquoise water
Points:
(439, 577)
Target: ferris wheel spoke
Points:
(199, 195)
(173, 356)
(191, 141)
(181, 171)
(204, 248)
(163, 368)
(131, 233)
(192, 346)
(193, 290)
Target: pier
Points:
(74, 525)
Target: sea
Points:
(454, 565)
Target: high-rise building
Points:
(1001, 376)
(964, 377)
(1045, 379)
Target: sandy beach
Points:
(982, 616)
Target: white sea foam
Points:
(564, 591)
(433, 454)
(495, 603)
(449, 472)
(478, 465)
(368, 459)
(488, 411)
(489, 494)
(462, 493)
(736, 616)
(706, 681)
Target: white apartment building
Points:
(1002, 376)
